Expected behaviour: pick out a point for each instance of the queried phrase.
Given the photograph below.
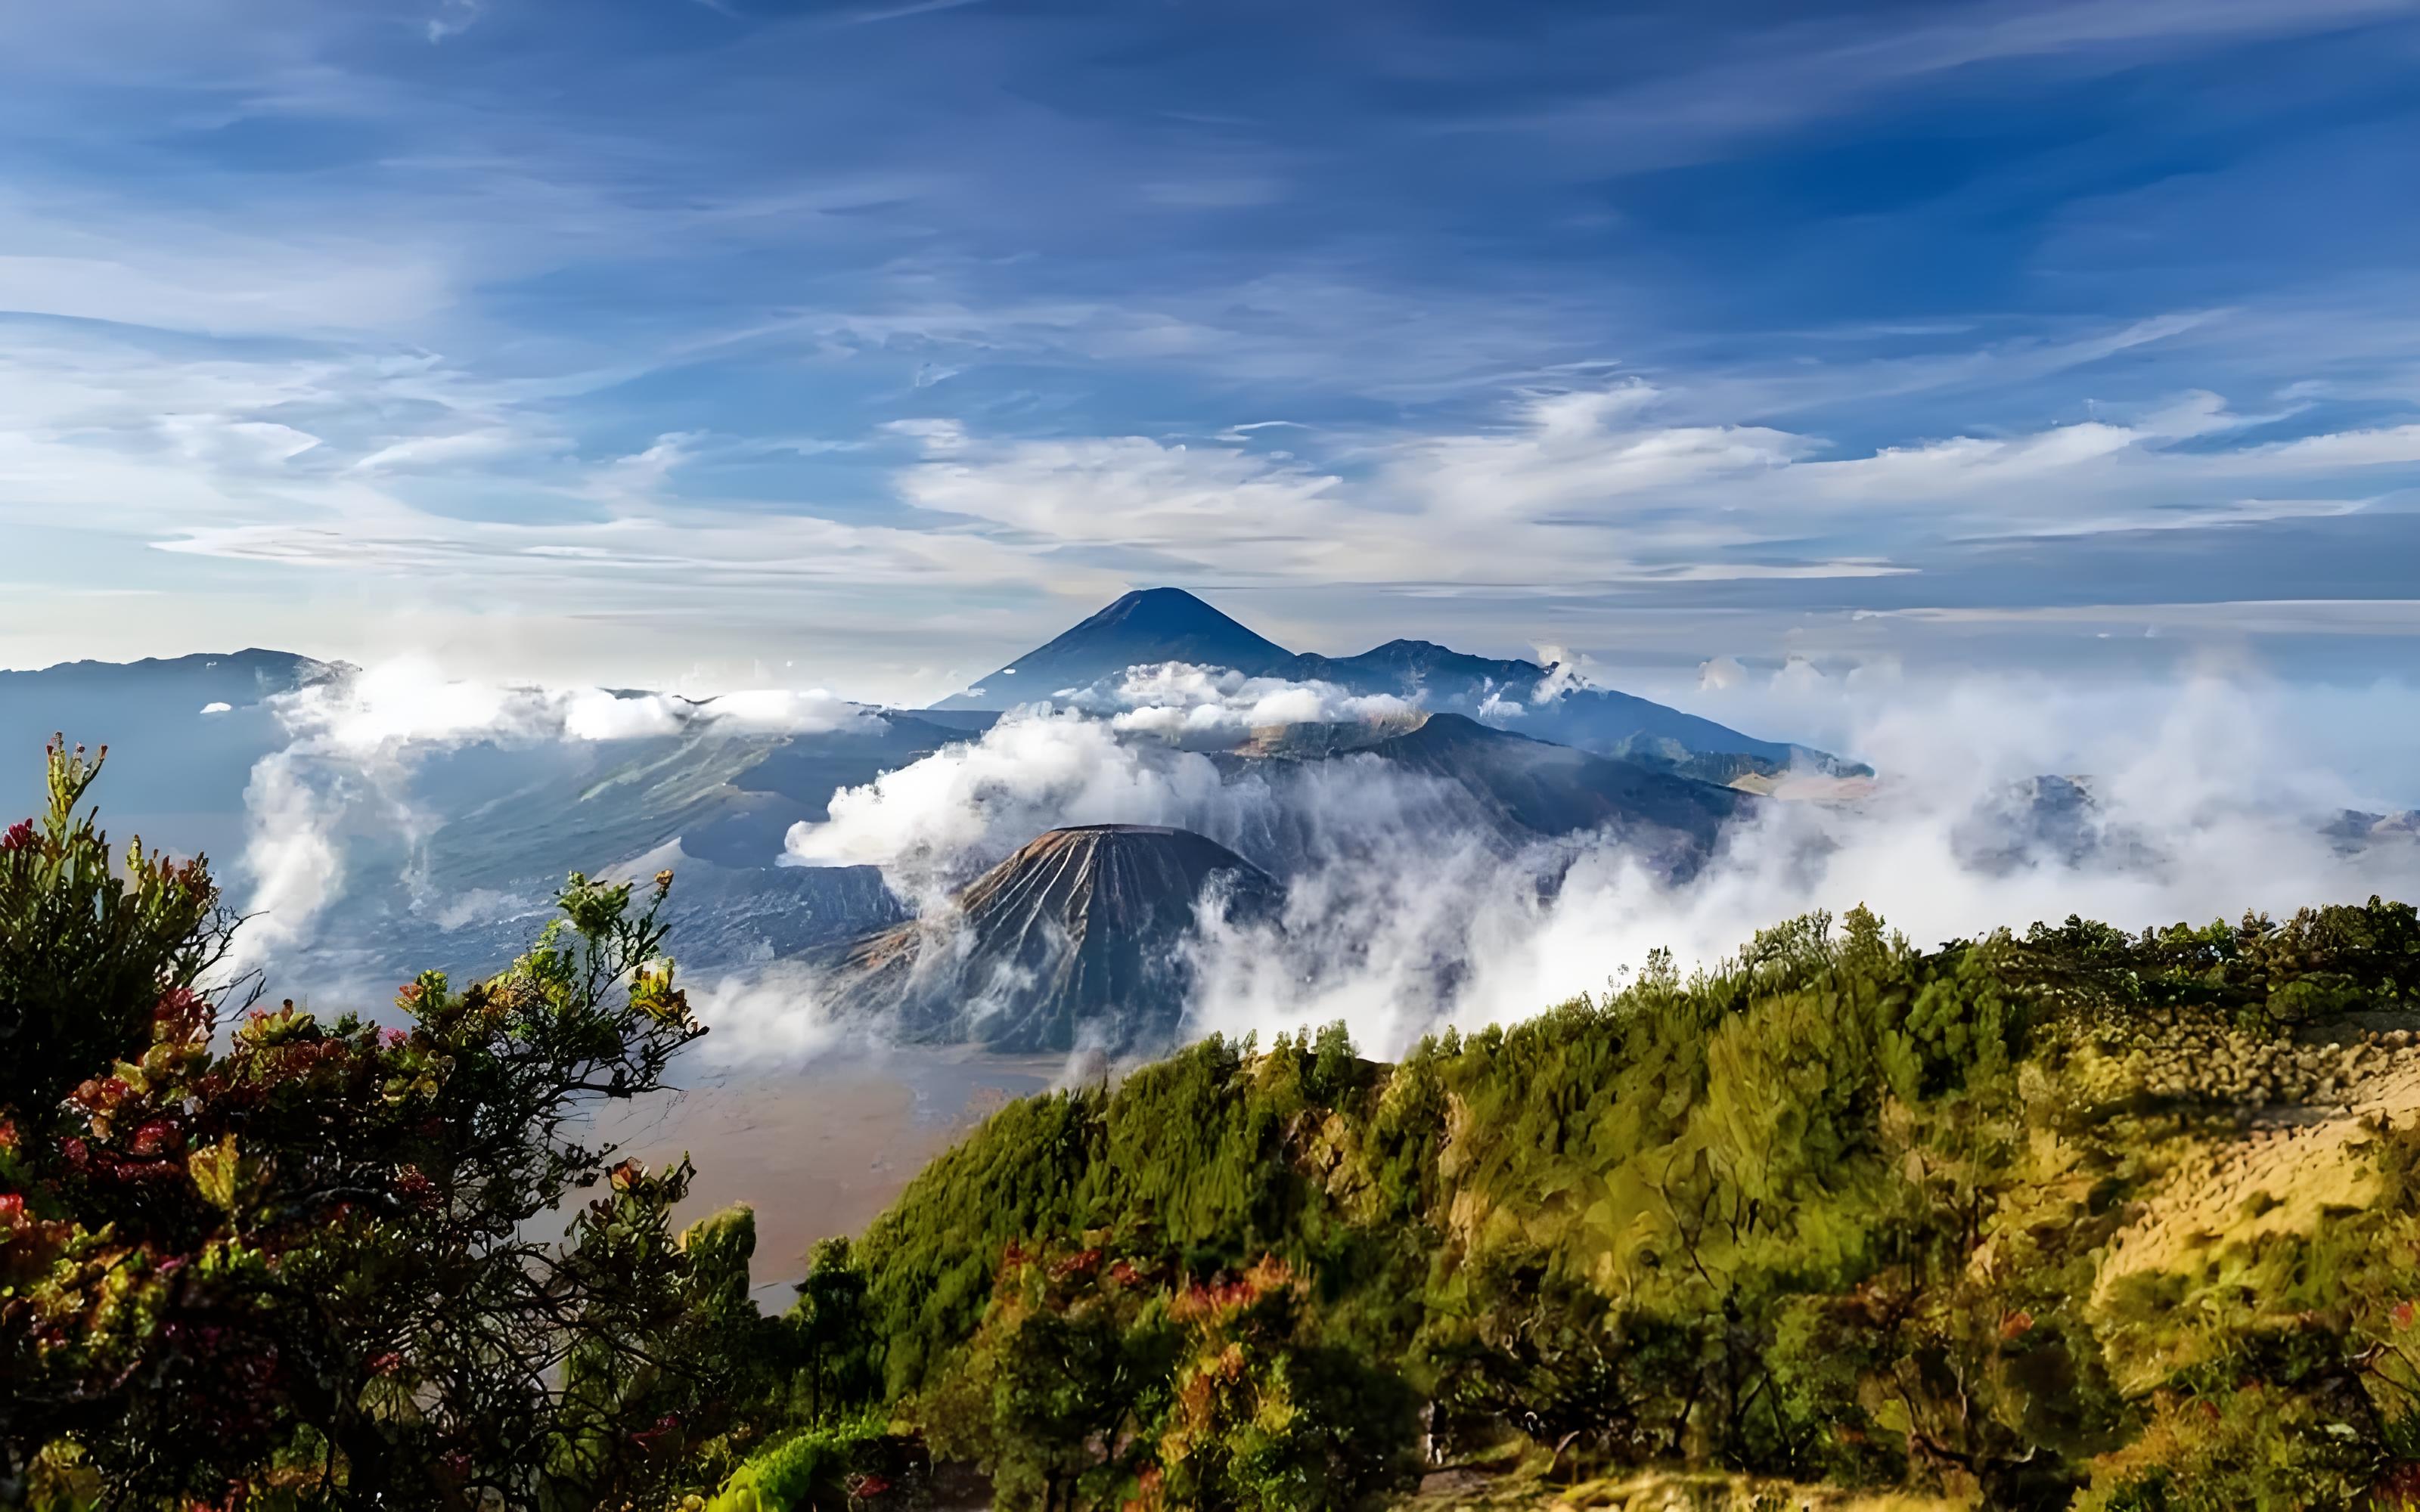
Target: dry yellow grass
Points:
(1664, 1491)
(2281, 1175)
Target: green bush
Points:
(807, 1470)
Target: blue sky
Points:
(721, 341)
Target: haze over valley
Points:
(1159, 825)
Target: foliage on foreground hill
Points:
(1841, 1211)
(301, 1268)
(1845, 1211)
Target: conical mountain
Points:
(1077, 939)
(1149, 625)
(1159, 624)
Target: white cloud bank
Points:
(1404, 911)
(355, 743)
(1213, 707)
(1629, 483)
(2210, 776)
(2211, 795)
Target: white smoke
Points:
(1213, 708)
(1377, 940)
(1405, 910)
(783, 711)
(771, 1014)
(933, 823)
(409, 705)
(1130, 749)
(936, 823)
(291, 854)
(1721, 672)
(1567, 671)
(1400, 917)
(355, 743)
(2216, 778)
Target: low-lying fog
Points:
(2187, 800)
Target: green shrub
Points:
(807, 1470)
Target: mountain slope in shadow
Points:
(1077, 940)
(1454, 777)
(1147, 626)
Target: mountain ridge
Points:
(1153, 625)
(256, 672)
(1514, 789)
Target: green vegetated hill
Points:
(2074, 1218)
(2068, 1218)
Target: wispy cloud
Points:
(1836, 59)
(919, 8)
(453, 18)
(1597, 486)
(1724, 319)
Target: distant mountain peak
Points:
(1163, 598)
(1164, 612)
(1151, 626)
(1141, 628)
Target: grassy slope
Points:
(1987, 1219)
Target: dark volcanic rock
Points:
(2049, 820)
(1076, 939)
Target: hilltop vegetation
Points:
(2070, 1217)
(1845, 1211)
(305, 1263)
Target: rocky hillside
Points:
(1077, 939)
